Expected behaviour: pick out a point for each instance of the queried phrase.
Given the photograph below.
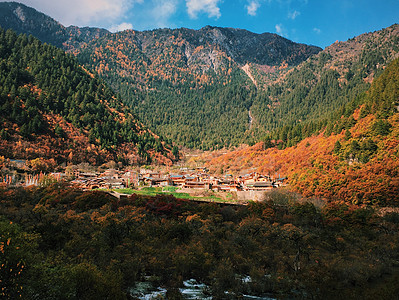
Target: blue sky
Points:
(316, 22)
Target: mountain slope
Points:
(189, 84)
(263, 49)
(299, 103)
(358, 164)
(51, 107)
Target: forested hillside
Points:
(354, 158)
(302, 103)
(53, 108)
(202, 98)
(218, 87)
(189, 83)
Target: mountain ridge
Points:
(15, 15)
(27, 20)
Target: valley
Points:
(215, 163)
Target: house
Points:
(88, 175)
(178, 180)
(248, 184)
(197, 185)
(157, 181)
(162, 182)
(149, 173)
(94, 184)
(263, 178)
(261, 186)
(213, 180)
(111, 173)
(203, 176)
(114, 183)
(190, 178)
(227, 187)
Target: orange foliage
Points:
(313, 169)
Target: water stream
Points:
(191, 290)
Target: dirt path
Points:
(251, 119)
(248, 72)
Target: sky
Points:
(315, 22)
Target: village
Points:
(183, 178)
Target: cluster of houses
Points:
(198, 178)
(185, 179)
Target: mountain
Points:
(171, 55)
(218, 87)
(52, 108)
(194, 87)
(190, 85)
(240, 45)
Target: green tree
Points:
(175, 152)
(382, 127)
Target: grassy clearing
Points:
(171, 190)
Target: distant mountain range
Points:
(241, 45)
(217, 87)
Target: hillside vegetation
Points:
(53, 108)
(353, 159)
(303, 101)
(61, 243)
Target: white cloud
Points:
(280, 30)
(83, 12)
(121, 27)
(317, 30)
(207, 6)
(293, 14)
(252, 7)
(162, 11)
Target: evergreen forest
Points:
(46, 93)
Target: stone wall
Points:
(251, 195)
